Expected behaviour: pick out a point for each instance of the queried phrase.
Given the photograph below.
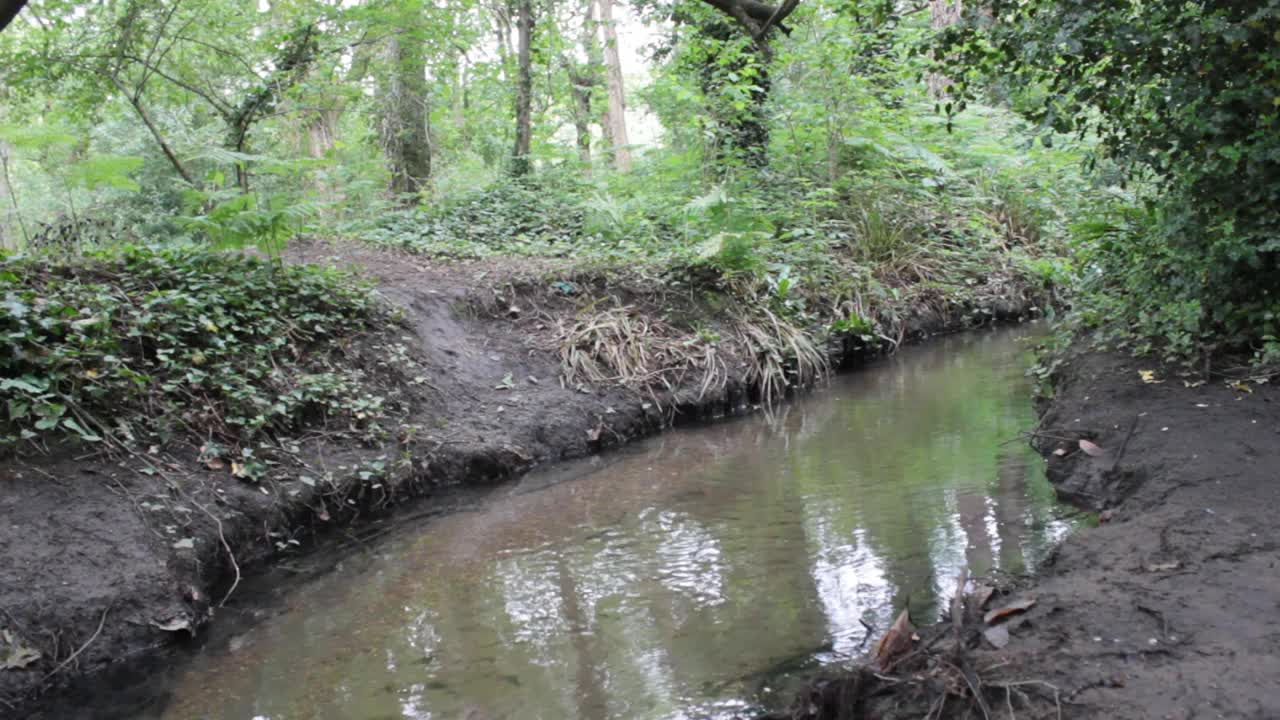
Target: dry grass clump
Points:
(624, 346)
(778, 354)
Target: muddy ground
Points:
(109, 565)
(1170, 608)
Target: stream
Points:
(700, 574)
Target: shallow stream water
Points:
(696, 575)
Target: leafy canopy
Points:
(1185, 98)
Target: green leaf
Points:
(80, 430)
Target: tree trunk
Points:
(520, 164)
(617, 119)
(404, 117)
(581, 117)
(595, 61)
(7, 192)
(582, 81)
(291, 65)
(322, 131)
(748, 133)
(751, 131)
(461, 104)
(943, 13)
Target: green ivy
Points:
(1185, 99)
(140, 344)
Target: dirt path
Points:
(107, 565)
(1170, 608)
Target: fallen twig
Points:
(86, 644)
(870, 632)
(974, 683)
(1124, 444)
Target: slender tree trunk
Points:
(6, 191)
(942, 13)
(291, 65)
(502, 31)
(520, 164)
(322, 132)
(582, 81)
(595, 63)
(617, 118)
(582, 119)
(404, 117)
(835, 140)
(240, 142)
(460, 104)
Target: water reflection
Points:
(677, 579)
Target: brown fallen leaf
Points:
(215, 464)
(1020, 605)
(1091, 449)
(895, 643)
(998, 636)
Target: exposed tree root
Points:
(928, 678)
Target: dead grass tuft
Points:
(625, 346)
(622, 345)
(778, 354)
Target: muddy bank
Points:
(108, 563)
(1167, 609)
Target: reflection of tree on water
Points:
(925, 429)
(589, 677)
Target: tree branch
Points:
(221, 51)
(755, 16)
(135, 99)
(785, 9)
(221, 106)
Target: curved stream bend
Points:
(687, 576)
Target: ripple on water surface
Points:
(687, 577)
